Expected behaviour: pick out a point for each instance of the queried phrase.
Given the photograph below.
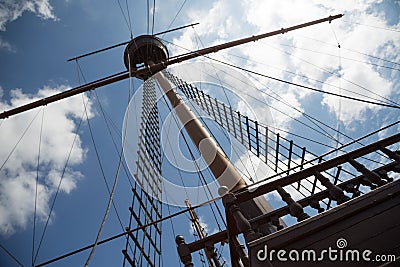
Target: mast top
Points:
(141, 51)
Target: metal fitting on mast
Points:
(141, 51)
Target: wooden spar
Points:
(155, 68)
(208, 249)
(62, 95)
(127, 42)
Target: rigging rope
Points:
(176, 15)
(19, 140)
(129, 17)
(102, 169)
(215, 70)
(312, 119)
(351, 50)
(106, 213)
(309, 87)
(204, 123)
(133, 198)
(154, 10)
(340, 92)
(11, 255)
(36, 187)
(259, 74)
(202, 178)
(80, 73)
(332, 151)
(307, 116)
(227, 137)
(304, 76)
(107, 120)
(280, 99)
(110, 200)
(173, 154)
(347, 58)
(59, 186)
(126, 20)
(372, 26)
(172, 225)
(148, 16)
(229, 103)
(128, 232)
(351, 82)
(195, 92)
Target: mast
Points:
(209, 250)
(148, 51)
(220, 165)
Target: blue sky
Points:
(37, 37)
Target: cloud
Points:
(5, 45)
(364, 76)
(366, 80)
(204, 226)
(301, 56)
(11, 10)
(19, 173)
(307, 56)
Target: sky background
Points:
(37, 37)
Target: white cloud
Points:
(18, 176)
(364, 76)
(250, 166)
(233, 20)
(10, 10)
(204, 226)
(314, 65)
(370, 81)
(5, 45)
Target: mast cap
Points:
(142, 50)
